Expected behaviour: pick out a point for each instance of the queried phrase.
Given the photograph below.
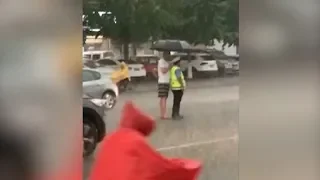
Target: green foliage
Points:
(129, 21)
(202, 21)
(137, 21)
(231, 21)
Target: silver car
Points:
(99, 86)
(94, 126)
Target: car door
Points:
(91, 83)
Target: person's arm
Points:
(155, 72)
(164, 69)
(178, 73)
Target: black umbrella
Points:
(171, 45)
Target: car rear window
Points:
(106, 62)
(128, 61)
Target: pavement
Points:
(208, 133)
(146, 86)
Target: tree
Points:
(231, 24)
(199, 21)
(137, 21)
(129, 21)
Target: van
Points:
(96, 55)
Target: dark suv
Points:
(94, 127)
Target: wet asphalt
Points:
(208, 133)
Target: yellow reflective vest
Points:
(174, 82)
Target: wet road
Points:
(208, 132)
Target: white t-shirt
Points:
(163, 77)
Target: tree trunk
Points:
(134, 49)
(126, 50)
(237, 49)
(189, 70)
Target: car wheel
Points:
(90, 137)
(111, 99)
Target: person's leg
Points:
(163, 102)
(177, 95)
(174, 104)
(163, 95)
(179, 98)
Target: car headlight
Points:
(99, 102)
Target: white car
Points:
(95, 55)
(99, 86)
(225, 66)
(107, 66)
(235, 63)
(201, 63)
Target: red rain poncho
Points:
(126, 155)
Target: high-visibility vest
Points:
(174, 83)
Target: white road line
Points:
(199, 143)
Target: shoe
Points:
(164, 118)
(181, 116)
(177, 117)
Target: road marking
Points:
(199, 143)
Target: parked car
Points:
(99, 86)
(94, 126)
(202, 64)
(150, 62)
(95, 55)
(235, 63)
(225, 67)
(136, 70)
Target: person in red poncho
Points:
(126, 154)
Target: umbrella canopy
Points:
(171, 45)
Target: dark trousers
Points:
(177, 96)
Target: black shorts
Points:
(163, 89)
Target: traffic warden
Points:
(177, 85)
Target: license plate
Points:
(211, 66)
(136, 69)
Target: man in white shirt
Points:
(163, 83)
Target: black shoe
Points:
(177, 117)
(181, 116)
